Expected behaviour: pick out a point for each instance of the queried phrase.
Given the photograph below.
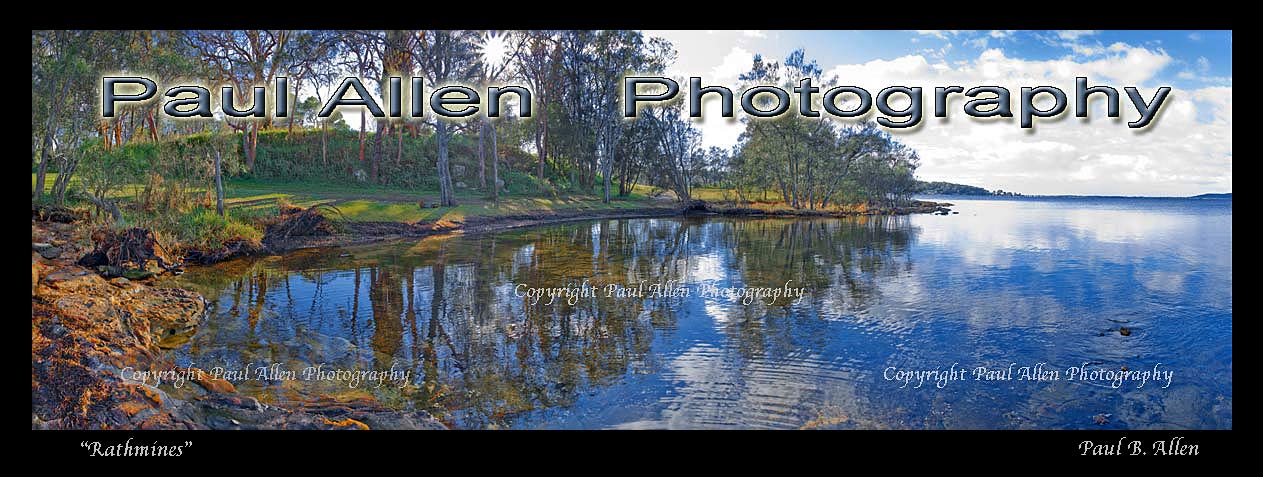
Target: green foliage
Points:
(205, 229)
(517, 183)
(302, 156)
(948, 188)
(103, 173)
(816, 162)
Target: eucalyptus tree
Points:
(810, 160)
(576, 107)
(312, 55)
(497, 50)
(538, 67)
(679, 154)
(446, 57)
(362, 53)
(381, 54)
(319, 68)
(57, 62)
(595, 63)
(244, 59)
(65, 77)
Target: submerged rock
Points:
(210, 383)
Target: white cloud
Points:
(1177, 155)
(754, 33)
(1217, 99)
(737, 61)
(1195, 36)
(1186, 151)
(941, 34)
(1202, 73)
(1074, 40)
(1074, 34)
(1001, 33)
(1203, 64)
(1086, 50)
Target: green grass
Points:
(388, 204)
(713, 194)
(203, 228)
(248, 200)
(125, 192)
(364, 210)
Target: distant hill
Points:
(1213, 196)
(948, 188)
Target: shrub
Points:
(204, 229)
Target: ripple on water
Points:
(1003, 282)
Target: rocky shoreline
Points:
(89, 333)
(90, 337)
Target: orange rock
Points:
(132, 407)
(151, 394)
(210, 383)
(347, 423)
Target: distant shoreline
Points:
(1227, 196)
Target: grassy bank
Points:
(250, 204)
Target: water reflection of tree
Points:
(446, 306)
(386, 298)
(840, 262)
(504, 355)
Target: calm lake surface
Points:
(1004, 284)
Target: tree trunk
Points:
(399, 151)
(446, 196)
(49, 129)
(541, 141)
(153, 125)
(606, 172)
(43, 162)
(64, 173)
(482, 164)
(378, 152)
(252, 144)
(495, 166)
(362, 126)
(298, 86)
(245, 140)
(811, 189)
(108, 206)
(219, 186)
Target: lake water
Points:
(1042, 286)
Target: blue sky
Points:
(1187, 151)
(1186, 47)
